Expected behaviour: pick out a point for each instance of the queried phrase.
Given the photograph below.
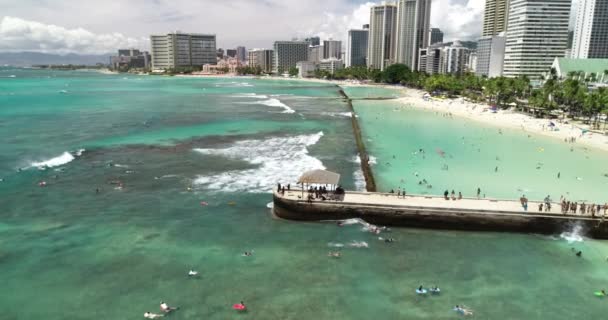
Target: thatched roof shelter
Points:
(319, 177)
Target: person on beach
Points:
(459, 195)
(445, 195)
(453, 195)
(540, 207)
(478, 192)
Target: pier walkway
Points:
(434, 212)
(482, 205)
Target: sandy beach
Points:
(504, 118)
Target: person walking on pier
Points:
(478, 192)
(445, 195)
(524, 202)
(453, 195)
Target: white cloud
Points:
(86, 26)
(22, 35)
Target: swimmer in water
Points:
(150, 315)
(247, 254)
(166, 308)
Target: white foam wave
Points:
(249, 95)
(79, 152)
(277, 104)
(358, 244)
(64, 158)
(359, 180)
(575, 235)
(338, 114)
(372, 160)
(276, 160)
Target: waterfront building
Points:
(586, 68)
(537, 34)
(381, 45)
(332, 49)
(315, 54)
(287, 54)
(495, 17)
(231, 53)
(435, 36)
(331, 65)
(430, 59)
(412, 30)
(356, 52)
(230, 64)
(241, 54)
(220, 53)
(472, 62)
(306, 69)
(313, 41)
(175, 50)
(490, 56)
(454, 59)
(261, 58)
(129, 59)
(591, 30)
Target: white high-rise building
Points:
(315, 54)
(413, 21)
(287, 54)
(332, 49)
(591, 30)
(356, 52)
(381, 45)
(261, 58)
(241, 54)
(490, 56)
(537, 33)
(182, 50)
(454, 59)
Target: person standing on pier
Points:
(445, 195)
(478, 192)
(524, 202)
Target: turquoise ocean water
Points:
(68, 252)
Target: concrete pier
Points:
(437, 213)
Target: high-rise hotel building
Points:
(356, 51)
(591, 30)
(382, 28)
(182, 50)
(495, 17)
(412, 24)
(537, 33)
(287, 54)
(261, 58)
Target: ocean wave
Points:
(277, 104)
(338, 114)
(359, 180)
(250, 95)
(358, 244)
(234, 84)
(335, 244)
(276, 159)
(64, 158)
(574, 235)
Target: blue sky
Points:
(89, 26)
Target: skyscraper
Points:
(261, 58)
(495, 17)
(182, 50)
(241, 54)
(490, 55)
(356, 52)
(413, 19)
(381, 45)
(591, 30)
(537, 34)
(287, 54)
(315, 54)
(332, 49)
(435, 36)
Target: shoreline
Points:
(479, 112)
(504, 119)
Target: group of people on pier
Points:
(583, 208)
